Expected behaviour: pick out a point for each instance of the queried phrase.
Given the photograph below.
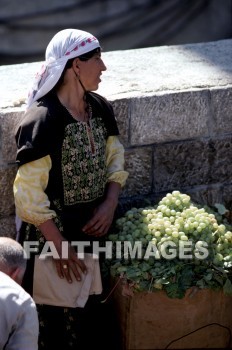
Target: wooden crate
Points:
(152, 320)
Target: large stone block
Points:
(169, 117)
(192, 163)
(220, 160)
(7, 176)
(7, 227)
(209, 195)
(227, 197)
(8, 122)
(221, 101)
(179, 165)
(121, 109)
(138, 162)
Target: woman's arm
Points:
(33, 206)
(115, 161)
(31, 202)
(51, 232)
(104, 213)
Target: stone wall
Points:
(173, 105)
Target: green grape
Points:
(168, 231)
(151, 226)
(157, 234)
(175, 234)
(148, 237)
(113, 237)
(143, 240)
(179, 221)
(176, 193)
(172, 219)
(121, 238)
(228, 235)
(183, 238)
(219, 247)
(136, 233)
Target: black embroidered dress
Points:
(77, 149)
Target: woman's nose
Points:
(103, 66)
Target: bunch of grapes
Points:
(182, 244)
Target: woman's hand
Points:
(103, 216)
(68, 264)
(72, 267)
(100, 223)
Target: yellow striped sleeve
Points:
(31, 202)
(115, 161)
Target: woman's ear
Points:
(76, 63)
(76, 68)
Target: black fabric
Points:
(41, 131)
(34, 133)
(100, 104)
(73, 223)
(27, 282)
(93, 327)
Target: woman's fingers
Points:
(70, 269)
(97, 226)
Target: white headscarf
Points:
(66, 44)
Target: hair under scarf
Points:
(66, 44)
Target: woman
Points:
(71, 171)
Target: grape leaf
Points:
(227, 288)
(221, 208)
(174, 291)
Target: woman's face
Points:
(90, 71)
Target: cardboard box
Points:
(152, 320)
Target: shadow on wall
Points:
(119, 24)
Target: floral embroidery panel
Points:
(84, 166)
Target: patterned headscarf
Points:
(66, 44)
